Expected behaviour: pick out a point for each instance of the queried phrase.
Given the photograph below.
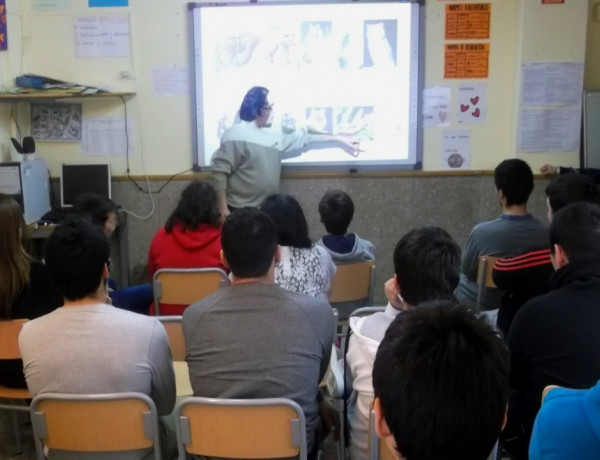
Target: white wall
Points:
(42, 43)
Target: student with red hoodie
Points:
(191, 237)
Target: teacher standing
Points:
(247, 165)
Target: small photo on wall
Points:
(319, 119)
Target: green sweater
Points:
(248, 163)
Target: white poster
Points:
(549, 130)
(101, 36)
(107, 136)
(472, 103)
(456, 149)
(551, 83)
(436, 106)
(170, 81)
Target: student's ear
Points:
(105, 272)
(223, 259)
(277, 254)
(382, 429)
(559, 258)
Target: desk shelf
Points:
(53, 95)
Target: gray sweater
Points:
(259, 341)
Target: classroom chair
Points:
(16, 399)
(240, 428)
(353, 286)
(110, 422)
(172, 325)
(184, 286)
(484, 278)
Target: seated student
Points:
(426, 262)
(88, 346)
(102, 212)
(514, 232)
(25, 287)
(336, 210)
(567, 425)
(304, 268)
(254, 339)
(441, 384)
(191, 237)
(526, 276)
(550, 170)
(554, 337)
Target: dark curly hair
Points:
(254, 102)
(197, 205)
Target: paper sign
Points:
(3, 29)
(456, 149)
(50, 5)
(551, 83)
(107, 136)
(436, 106)
(468, 21)
(101, 3)
(101, 36)
(466, 60)
(552, 130)
(472, 103)
(170, 81)
(10, 180)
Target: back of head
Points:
(253, 103)
(197, 205)
(249, 241)
(515, 178)
(442, 378)
(14, 261)
(286, 212)
(75, 254)
(336, 210)
(427, 263)
(570, 188)
(576, 229)
(96, 207)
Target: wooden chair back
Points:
(95, 423)
(240, 428)
(484, 277)
(353, 282)
(172, 325)
(184, 286)
(9, 338)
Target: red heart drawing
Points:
(476, 113)
(475, 100)
(443, 115)
(464, 108)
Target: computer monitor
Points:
(78, 178)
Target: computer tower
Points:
(28, 183)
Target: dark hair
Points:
(441, 375)
(515, 178)
(286, 212)
(576, 229)
(336, 210)
(197, 205)
(569, 188)
(427, 264)
(96, 207)
(249, 241)
(254, 102)
(75, 255)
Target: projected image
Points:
(317, 43)
(380, 43)
(342, 69)
(354, 121)
(274, 46)
(319, 120)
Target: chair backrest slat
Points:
(9, 338)
(352, 282)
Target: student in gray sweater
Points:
(254, 339)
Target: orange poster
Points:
(466, 60)
(468, 21)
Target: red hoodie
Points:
(184, 249)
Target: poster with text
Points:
(472, 104)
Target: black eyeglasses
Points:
(268, 107)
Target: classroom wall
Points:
(42, 42)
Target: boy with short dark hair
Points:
(441, 384)
(336, 210)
